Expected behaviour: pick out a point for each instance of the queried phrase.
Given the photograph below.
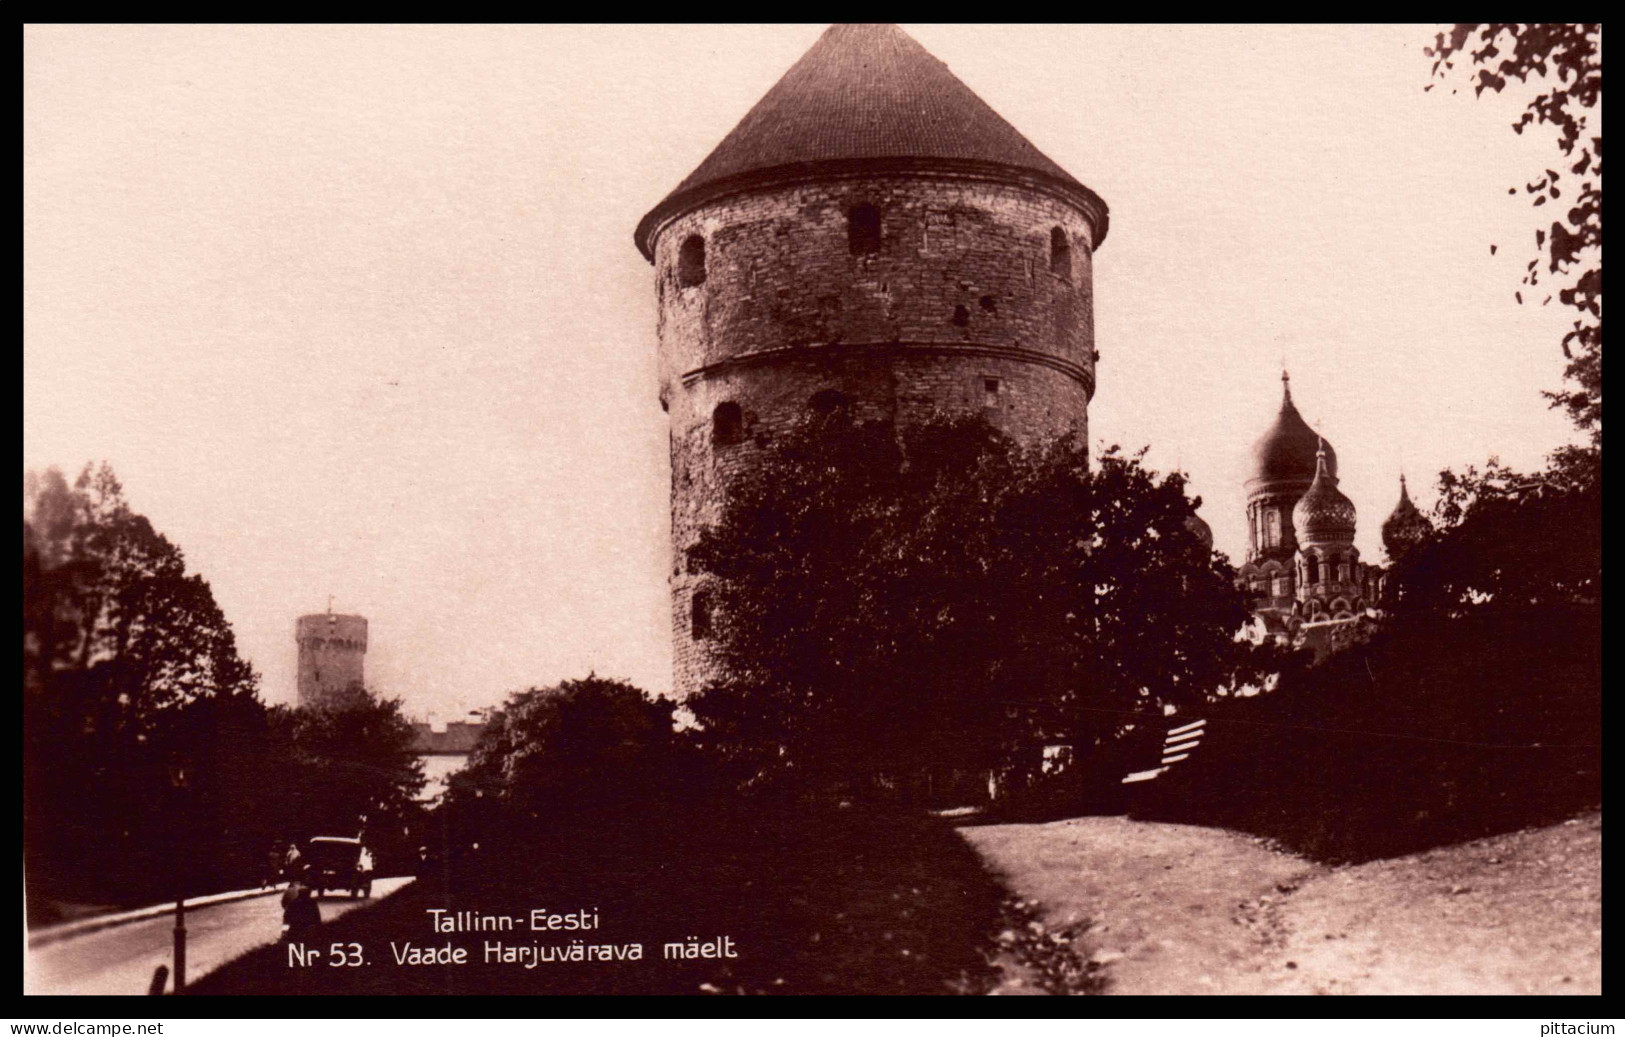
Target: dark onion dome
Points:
(1406, 527)
(1200, 530)
(1323, 515)
(1286, 451)
(868, 99)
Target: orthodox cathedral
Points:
(1301, 567)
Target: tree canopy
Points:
(107, 603)
(1508, 539)
(940, 596)
(1566, 61)
(136, 703)
(588, 748)
(150, 764)
(349, 764)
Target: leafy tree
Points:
(1572, 246)
(939, 597)
(108, 597)
(128, 666)
(349, 765)
(1507, 539)
(594, 751)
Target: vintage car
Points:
(339, 863)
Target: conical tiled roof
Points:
(1286, 451)
(868, 96)
(1323, 514)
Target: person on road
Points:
(294, 863)
(273, 866)
(301, 917)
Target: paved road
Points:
(121, 959)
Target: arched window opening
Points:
(1313, 566)
(863, 230)
(827, 403)
(1272, 528)
(727, 424)
(691, 262)
(699, 620)
(1060, 254)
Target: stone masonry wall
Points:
(956, 312)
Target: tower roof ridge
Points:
(867, 96)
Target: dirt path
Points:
(1176, 909)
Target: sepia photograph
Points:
(735, 509)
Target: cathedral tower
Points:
(872, 240)
(1330, 578)
(1284, 460)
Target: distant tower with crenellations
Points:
(332, 650)
(872, 242)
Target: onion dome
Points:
(1286, 451)
(1200, 530)
(868, 99)
(1406, 527)
(1323, 515)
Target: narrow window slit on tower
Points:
(863, 229)
(1060, 254)
(691, 262)
(727, 424)
(700, 615)
(961, 316)
(990, 392)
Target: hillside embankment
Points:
(1178, 909)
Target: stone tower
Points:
(872, 239)
(331, 652)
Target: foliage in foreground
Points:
(1566, 63)
(1476, 709)
(892, 601)
(1436, 733)
(588, 750)
(816, 901)
(150, 765)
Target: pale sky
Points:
(356, 311)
